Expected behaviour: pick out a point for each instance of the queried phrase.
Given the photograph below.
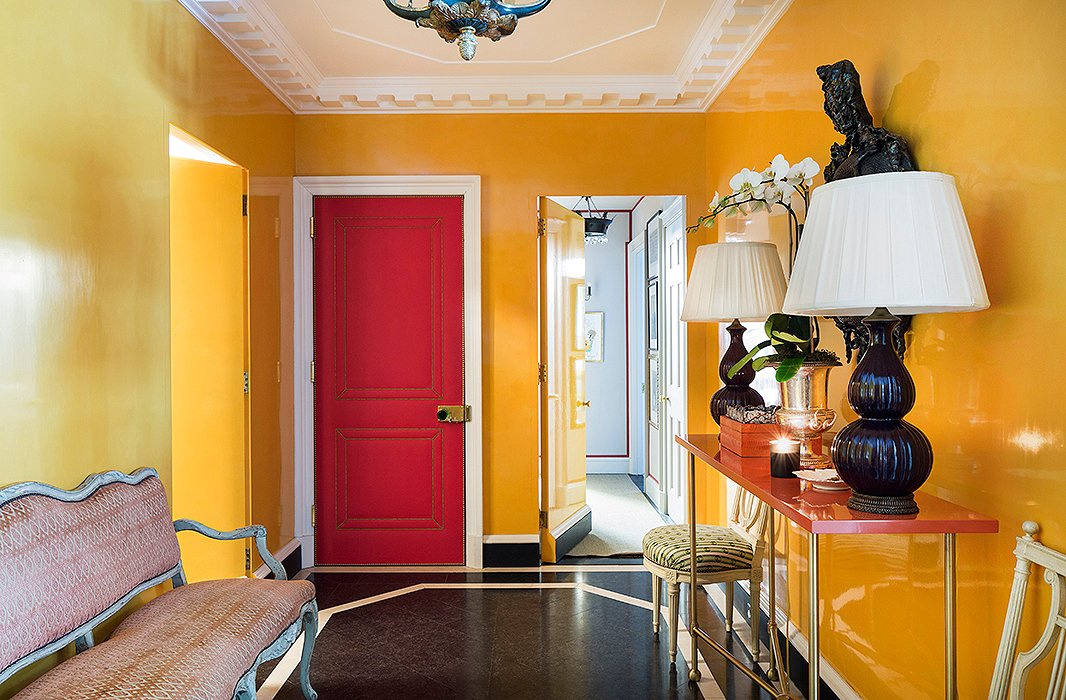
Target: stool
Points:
(723, 555)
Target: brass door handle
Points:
(453, 414)
(664, 398)
(583, 403)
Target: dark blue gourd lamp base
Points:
(736, 390)
(883, 458)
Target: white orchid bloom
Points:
(779, 167)
(771, 193)
(809, 168)
(745, 177)
(787, 189)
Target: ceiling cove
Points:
(354, 56)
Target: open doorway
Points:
(209, 352)
(634, 373)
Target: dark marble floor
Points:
(514, 642)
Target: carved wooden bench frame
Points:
(82, 636)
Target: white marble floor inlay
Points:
(707, 685)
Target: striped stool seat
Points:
(717, 548)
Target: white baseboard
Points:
(560, 529)
(511, 539)
(307, 550)
(607, 465)
(283, 551)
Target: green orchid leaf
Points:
(746, 359)
(788, 368)
(790, 337)
(759, 362)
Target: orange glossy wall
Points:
(976, 88)
(518, 157)
(84, 218)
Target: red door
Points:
(388, 352)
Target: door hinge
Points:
(542, 373)
(542, 227)
(246, 382)
(244, 205)
(247, 559)
(312, 227)
(314, 519)
(312, 371)
(544, 520)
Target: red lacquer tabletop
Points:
(825, 512)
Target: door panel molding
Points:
(304, 191)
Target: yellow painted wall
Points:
(976, 90)
(84, 218)
(208, 349)
(519, 157)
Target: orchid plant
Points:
(793, 339)
(755, 191)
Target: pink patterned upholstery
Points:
(193, 643)
(63, 563)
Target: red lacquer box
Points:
(751, 439)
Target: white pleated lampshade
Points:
(897, 240)
(741, 280)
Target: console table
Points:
(822, 513)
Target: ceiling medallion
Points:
(466, 20)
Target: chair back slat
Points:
(67, 557)
(748, 516)
(1011, 673)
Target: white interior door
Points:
(672, 358)
(638, 344)
(654, 479)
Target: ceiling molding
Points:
(726, 38)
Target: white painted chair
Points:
(1012, 669)
(723, 555)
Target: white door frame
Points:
(304, 190)
(673, 456)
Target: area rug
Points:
(621, 516)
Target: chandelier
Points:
(465, 20)
(595, 226)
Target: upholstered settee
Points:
(71, 559)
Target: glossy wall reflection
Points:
(84, 222)
(985, 380)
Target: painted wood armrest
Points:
(257, 531)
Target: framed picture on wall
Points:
(593, 336)
(653, 315)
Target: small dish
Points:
(822, 479)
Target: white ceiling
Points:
(575, 55)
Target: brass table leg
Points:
(771, 590)
(951, 689)
(813, 658)
(694, 671)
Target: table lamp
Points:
(873, 245)
(739, 281)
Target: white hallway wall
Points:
(608, 444)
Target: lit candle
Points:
(784, 457)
